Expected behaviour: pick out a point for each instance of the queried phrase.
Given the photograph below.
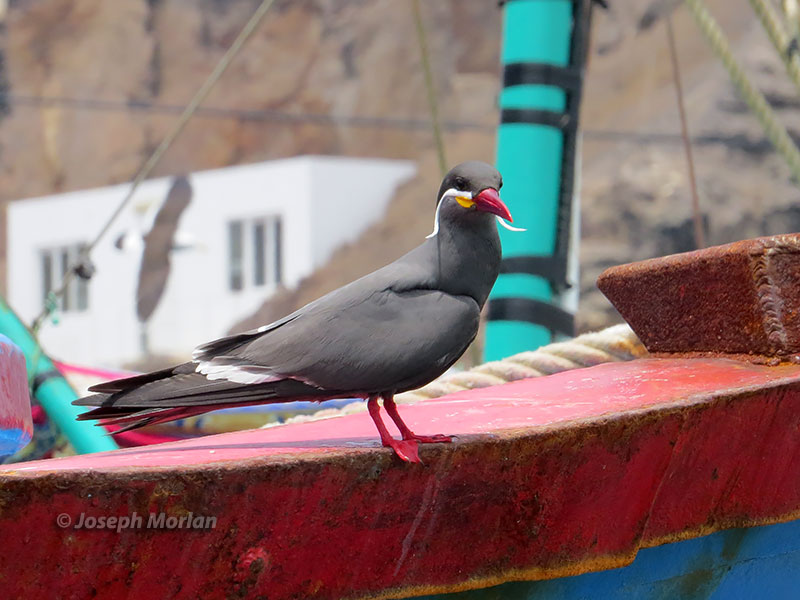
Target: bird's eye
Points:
(460, 183)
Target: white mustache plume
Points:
(452, 193)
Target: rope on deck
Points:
(613, 344)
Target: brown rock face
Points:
(309, 70)
(344, 77)
(94, 86)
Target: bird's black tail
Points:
(180, 392)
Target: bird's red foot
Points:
(406, 450)
(430, 439)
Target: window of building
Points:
(55, 262)
(235, 244)
(255, 253)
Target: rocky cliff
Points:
(89, 87)
(94, 85)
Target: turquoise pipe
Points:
(54, 393)
(529, 157)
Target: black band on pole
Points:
(600, 3)
(550, 316)
(501, 3)
(532, 116)
(551, 268)
(530, 73)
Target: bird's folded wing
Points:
(384, 340)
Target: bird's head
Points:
(472, 186)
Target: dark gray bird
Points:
(393, 330)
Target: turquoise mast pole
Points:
(52, 390)
(543, 56)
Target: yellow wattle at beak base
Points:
(465, 202)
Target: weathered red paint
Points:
(740, 299)
(548, 477)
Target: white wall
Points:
(109, 328)
(197, 304)
(323, 202)
(348, 197)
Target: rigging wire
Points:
(699, 234)
(429, 87)
(82, 264)
(327, 120)
(244, 114)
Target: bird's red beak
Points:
(489, 201)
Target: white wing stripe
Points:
(247, 374)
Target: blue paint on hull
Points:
(13, 439)
(737, 564)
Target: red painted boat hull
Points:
(549, 477)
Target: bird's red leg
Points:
(405, 449)
(391, 408)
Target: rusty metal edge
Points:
(579, 568)
(533, 574)
(690, 534)
(774, 360)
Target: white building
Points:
(246, 231)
